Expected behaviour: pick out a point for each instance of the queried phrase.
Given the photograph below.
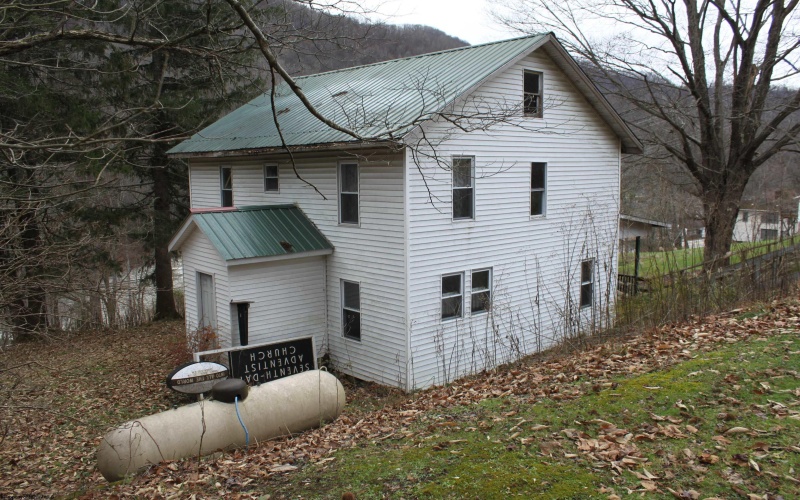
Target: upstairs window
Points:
(452, 295)
(532, 94)
(348, 193)
(745, 215)
(463, 188)
(587, 282)
(538, 182)
(481, 294)
(351, 310)
(271, 178)
(226, 186)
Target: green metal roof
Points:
(383, 100)
(257, 232)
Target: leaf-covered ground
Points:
(709, 409)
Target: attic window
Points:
(532, 94)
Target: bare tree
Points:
(702, 78)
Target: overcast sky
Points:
(468, 20)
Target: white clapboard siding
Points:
(287, 300)
(372, 253)
(199, 256)
(535, 261)
(204, 185)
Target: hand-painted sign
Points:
(265, 362)
(196, 377)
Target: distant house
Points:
(761, 225)
(455, 241)
(631, 227)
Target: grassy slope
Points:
(708, 408)
(721, 424)
(653, 264)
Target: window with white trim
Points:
(463, 187)
(587, 282)
(348, 193)
(226, 186)
(769, 234)
(271, 178)
(481, 291)
(452, 295)
(538, 187)
(532, 94)
(351, 310)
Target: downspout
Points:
(406, 215)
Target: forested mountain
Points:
(358, 43)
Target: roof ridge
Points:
(418, 56)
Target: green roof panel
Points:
(261, 231)
(384, 100)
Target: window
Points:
(770, 218)
(270, 178)
(769, 234)
(463, 188)
(351, 310)
(206, 305)
(587, 282)
(348, 193)
(745, 215)
(226, 186)
(452, 295)
(532, 94)
(481, 291)
(538, 176)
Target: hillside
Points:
(703, 409)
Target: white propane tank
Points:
(288, 405)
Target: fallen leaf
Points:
(707, 458)
(649, 485)
(737, 430)
(283, 468)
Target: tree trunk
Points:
(721, 208)
(31, 307)
(165, 298)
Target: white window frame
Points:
(350, 309)
(542, 190)
(471, 187)
(357, 192)
(539, 96)
(222, 189)
(766, 232)
(277, 178)
(589, 282)
(487, 291)
(450, 295)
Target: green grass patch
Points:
(723, 424)
(652, 264)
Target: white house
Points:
(474, 219)
(760, 225)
